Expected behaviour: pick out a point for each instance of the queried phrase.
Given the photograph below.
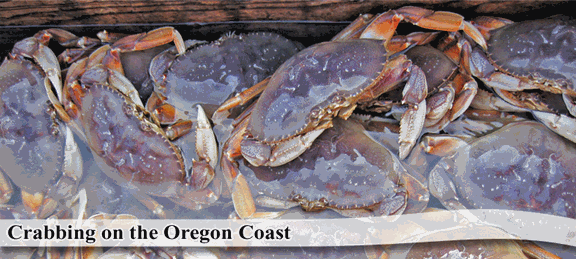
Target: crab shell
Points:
(209, 74)
(538, 50)
(522, 166)
(32, 143)
(344, 169)
(318, 82)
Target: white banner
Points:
(412, 228)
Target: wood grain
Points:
(77, 12)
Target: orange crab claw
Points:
(384, 26)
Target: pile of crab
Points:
(464, 115)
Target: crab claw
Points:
(207, 150)
(411, 125)
(259, 154)
(412, 121)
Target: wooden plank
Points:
(52, 12)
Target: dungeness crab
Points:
(105, 109)
(522, 166)
(38, 151)
(330, 79)
(344, 170)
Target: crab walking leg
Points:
(122, 84)
(66, 38)
(151, 39)
(76, 47)
(439, 104)
(241, 196)
(485, 100)
(384, 26)
(535, 251)
(395, 44)
(73, 165)
(356, 28)
(243, 97)
(464, 97)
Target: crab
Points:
(38, 151)
(330, 79)
(210, 73)
(521, 166)
(530, 64)
(105, 109)
(344, 170)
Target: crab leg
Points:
(6, 189)
(354, 30)
(395, 44)
(83, 44)
(485, 100)
(535, 251)
(464, 97)
(73, 166)
(412, 121)
(242, 198)
(194, 194)
(384, 26)
(243, 97)
(206, 146)
(464, 85)
(438, 105)
(151, 39)
(485, 24)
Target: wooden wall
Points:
(76, 12)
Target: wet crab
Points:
(531, 65)
(38, 151)
(330, 79)
(344, 170)
(522, 166)
(105, 109)
(210, 73)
